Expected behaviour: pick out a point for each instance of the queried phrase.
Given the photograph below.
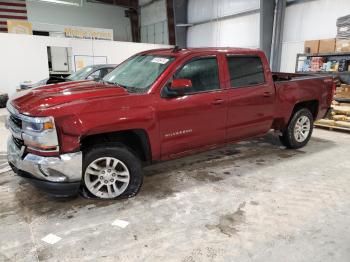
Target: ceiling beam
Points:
(123, 3)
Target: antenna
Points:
(176, 49)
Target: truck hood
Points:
(32, 101)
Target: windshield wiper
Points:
(115, 84)
(107, 82)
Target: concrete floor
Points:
(253, 201)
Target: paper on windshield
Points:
(160, 60)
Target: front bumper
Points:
(59, 176)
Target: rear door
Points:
(197, 119)
(251, 97)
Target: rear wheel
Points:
(299, 130)
(111, 171)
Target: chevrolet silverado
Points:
(94, 137)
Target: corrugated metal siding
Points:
(11, 9)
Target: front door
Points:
(197, 119)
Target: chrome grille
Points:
(16, 121)
(18, 142)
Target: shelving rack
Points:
(343, 76)
(330, 56)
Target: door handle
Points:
(218, 102)
(267, 94)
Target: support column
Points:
(276, 50)
(134, 21)
(180, 13)
(267, 11)
(171, 21)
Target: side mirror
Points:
(176, 88)
(180, 84)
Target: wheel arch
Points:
(280, 123)
(311, 105)
(135, 139)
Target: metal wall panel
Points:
(235, 32)
(203, 10)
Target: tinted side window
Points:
(245, 70)
(203, 73)
(104, 71)
(96, 74)
(109, 70)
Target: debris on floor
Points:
(120, 223)
(51, 239)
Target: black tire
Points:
(122, 153)
(3, 100)
(288, 139)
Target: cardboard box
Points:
(342, 45)
(327, 45)
(311, 46)
(343, 91)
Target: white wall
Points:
(153, 22)
(200, 10)
(241, 31)
(24, 57)
(234, 32)
(46, 16)
(308, 21)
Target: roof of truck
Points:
(185, 51)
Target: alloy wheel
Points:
(302, 129)
(107, 177)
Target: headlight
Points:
(39, 133)
(37, 124)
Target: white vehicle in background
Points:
(92, 72)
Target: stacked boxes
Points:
(311, 46)
(343, 27)
(342, 45)
(319, 46)
(343, 34)
(343, 91)
(340, 117)
(340, 114)
(327, 45)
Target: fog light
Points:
(52, 174)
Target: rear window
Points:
(245, 70)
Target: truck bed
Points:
(279, 76)
(293, 88)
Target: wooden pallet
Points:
(335, 128)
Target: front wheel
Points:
(299, 130)
(111, 171)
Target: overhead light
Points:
(184, 25)
(62, 2)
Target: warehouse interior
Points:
(261, 173)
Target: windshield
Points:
(80, 74)
(138, 73)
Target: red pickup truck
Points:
(157, 105)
